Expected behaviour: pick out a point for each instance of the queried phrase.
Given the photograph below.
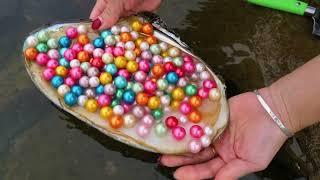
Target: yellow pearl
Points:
(178, 94)
(138, 42)
(132, 66)
(61, 71)
(136, 25)
(106, 112)
(175, 104)
(105, 78)
(91, 105)
(154, 102)
(165, 54)
(120, 62)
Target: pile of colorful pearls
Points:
(130, 77)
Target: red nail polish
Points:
(96, 24)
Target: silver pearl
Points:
(84, 81)
(138, 111)
(85, 66)
(165, 100)
(205, 141)
(74, 63)
(183, 119)
(118, 110)
(90, 93)
(109, 89)
(63, 89)
(82, 100)
(94, 81)
(200, 67)
(115, 29)
(214, 94)
(129, 120)
(93, 71)
(204, 75)
(208, 131)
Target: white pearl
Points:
(118, 110)
(183, 119)
(165, 100)
(63, 89)
(144, 46)
(134, 35)
(208, 131)
(82, 99)
(204, 75)
(129, 120)
(115, 29)
(94, 81)
(167, 59)
(85, 66)
(82, 29)
(195, 77)
(205, 141)
(163, 46)
(107, 58)
(214, 94)
(120, 44)
(125, 28)
(200, 67)
(182, 82)
(130, 55)
(93, 71)
(194, 146)
(32, 41)
(74, 63)
(109, 89)
(130, 45)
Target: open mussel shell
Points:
(215, 113)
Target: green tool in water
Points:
(295, 7)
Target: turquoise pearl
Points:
(62, 50)
(172, 78)
(43, 36)
(115, 102)
(70, 99)
(65, 42)
(120, 82)
(129, 97)
(100, 89)
(160, 130)
(119, 93)
(111, 68)
(129, 85)
(64, 62)
(52, 43)
(191, 89)
(105, 33)
(98, 43)
(137, 87)
(157, 114)
(77, 90)
(178, 61)
(56, 81)
(155, 49)
(162, 84)
(41, 47)
(110, 40)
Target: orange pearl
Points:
(152, 40)
(31, 53)
(142, 98)
(83, 39)
(61, 71)
(147, 28)
(116, 121)
(195, 101)
(83, 56)
(194, 116)
(138, 42)
(125, 37)
(137, 51)
(158, 70)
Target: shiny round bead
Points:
(183, 119)
(148, 120)
(144, 66)
(174, 52)
(32, 41)
(130, 45)
(109, 89)
(42, 48)
(195, 77)
(111, 68)
(125, 28)
(158, 70)
(172, 78)
(136, 25)
(91, 105)
(117, 38)
(146, 55)
(160, 130)
(137, 87)
(170, 88)
(129, 120)
(155, 49)
(120, 62)
(70, 99)
(150, 86)
(52, 43)
(132, 66)
(88, 48)
(82, 29)
(72, 32)
(191, 89)
(152, 40)
(63, 89)
(129, 97)
(196, 131)
(147, 28)
(205, 141)
(52, 64)
(157, 113)
(64, 42)
(74, 63)
(105, 33)
(94, 81)
(48, 74)
(92, 71)
(157, 59)
(98, 52)
(115, 102)
(77, 47)
(140, 76)
(188, 67)
(185, 108)
(118, 110)
(43, 36)
(144, 46)
(214, 94)
(97, 62)
(125, 37)
(116, 121)
(203, 93)
(178, 61)
(83, 56)
(208, 131)
(69, 81)
(130, 55)
(179, 72)
(194, 146)
(110, 40)
(195, 101)
(77, 90)
(162, 84)
(31, 53)
(115, 29)
(84, 81)
(204, 75)
(70, 54)
(62, 50)
(107, 58)
(106, 112)
(167, 59)
(171, 122)
(178, 133)
(187, 58)
(194, 116)
(85, 66)
(138, 111)
(100, 89)
(104, 100)
(165, 100)
(83, 40)
(178, 94)
(98, 43)
(163, 46)
(120, 82)
(125, 73)
(53, 54)
(182, 82)
(61, 71)
(134, 35)
(142, 98)
(154, 102)
(91, 93)
(200, 67)
(82, 100)
(143, 130)
(209, 84)
(105, 78)
(120, 44)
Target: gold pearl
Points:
(106, 112)
(136, 25)
(132, 66)
(91, 105)
(154, 102)
(105, 78)
(175, 104)
(178, 94)
(120, 62)
(61, 71)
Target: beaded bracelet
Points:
(272, 114)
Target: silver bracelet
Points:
(272, 115)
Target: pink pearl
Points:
(209, 84)
(144, 65)
(125, 73)
(194, 146)
(178, 133)
(203, 93)
(109, 49)
(89, 48)
(185, 108)
(77, 47)
(118, 51)
(48, 74)
(52, 64)
(187, 58)
(70, 54)
(146, 55)
(42, 59)
(126, 107)
(138, 111)
(148, 120)
(150, 86)
(98, 52)
(76, 73)
(143, 130)
(189, 67)
(140, 76)
(196, 131)
(72, 32)
(69, 81)
(53, 54)
(104, 100)
(157, 59)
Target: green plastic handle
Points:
(292, 6)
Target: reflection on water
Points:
(248, 45)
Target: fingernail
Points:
(96, 24)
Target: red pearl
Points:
(97, 62)
(209, 84)
(187, 58)
(203, 93)
(196, 131)
(96, 24)
(178, 133)
(179, 72)
(171, 122)
(189, 67)
(150, 86)
(169, 66)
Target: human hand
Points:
(109, 11)
(248, 144)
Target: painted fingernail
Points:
(96, 24)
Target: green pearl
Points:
(157, 114)
(191, 89)
(161, 130)
(137, 87)
(129, 85)
(52, 43)
(115, 102)
(155, 49)
(162, 84)
(43, 36)
(119, 93)
(178, 61)
(41, 47)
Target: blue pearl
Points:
(120, 82)
(56, 81)
(129, 97)
(100, 89)
(70, 99)
(105, 33)
(98, 43)
(64, 41)
(62, 50)
(172, 78)
(64, 62)
(77, 90)
(111, 68)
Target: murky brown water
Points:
(250, 46)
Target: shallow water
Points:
(249, 46)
